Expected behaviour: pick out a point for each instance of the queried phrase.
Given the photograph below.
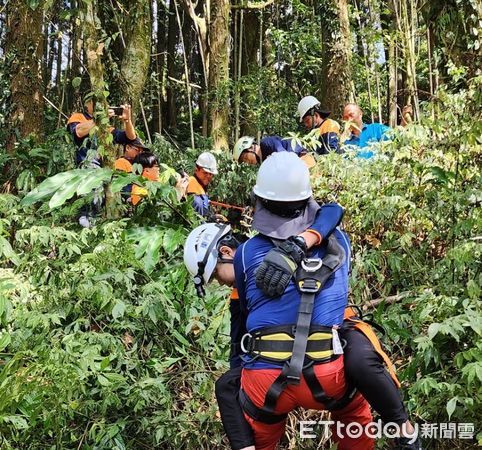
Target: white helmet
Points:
(242, 144)
(201, 252)
(207, 161)
(283, 177)
(305, 104)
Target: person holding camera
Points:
(80, 124)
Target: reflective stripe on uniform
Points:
(367, 330)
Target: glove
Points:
(279, 265)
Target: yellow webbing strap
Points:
(367, 330)
(283, 356)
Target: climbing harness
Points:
(299, 346)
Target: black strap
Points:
(256, 413)
(310, 281)
(315, 387)
(295, 364)
(330, 403)
(275, 391)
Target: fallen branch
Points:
(387, 300)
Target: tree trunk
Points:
(160, 67)
(392, 83)
(365, 54)
(406, 31)
(186, 75)
(172, 34)
(95, 51)
(51, 56)
(76, 62)
(135, 63)
(335, 27)
(218, 77)
(389, 26)
(24, 47)
(249, 55)
(66, 81)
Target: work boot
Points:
(403, 443)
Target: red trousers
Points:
(256, 382)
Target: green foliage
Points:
(92, 354)
(32, 162)
(105, 345)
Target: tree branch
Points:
(193, 85)
(253, 5)
(387, 300)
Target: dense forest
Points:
(103, 341)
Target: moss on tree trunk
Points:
(135, 64)
(24, 44)
(218, 78)
(336, 88)
(96, 72)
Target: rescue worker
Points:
(227, 386)
(131, 150)
(206, 168)
(258, 373)
(79, 125)
(313, 116)
(247, 151)
(150, 171)
(363, 363)
(124, 164)
(362, 135)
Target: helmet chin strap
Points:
(311, 113)
(201, 265)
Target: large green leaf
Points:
(93, 179)
(151, 256)
(49, 186)
(148, 243)
(65, 192)
(121, 180)
(451, 405)
(172, 239)
(7, 251)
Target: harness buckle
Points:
(309, 285)
(293, 379)
(250, 344)
(311, 264)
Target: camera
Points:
(118, 110)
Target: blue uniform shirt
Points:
(370, 133)
(327, 219)
(200, 204)
(263, 311)
(274, 144)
